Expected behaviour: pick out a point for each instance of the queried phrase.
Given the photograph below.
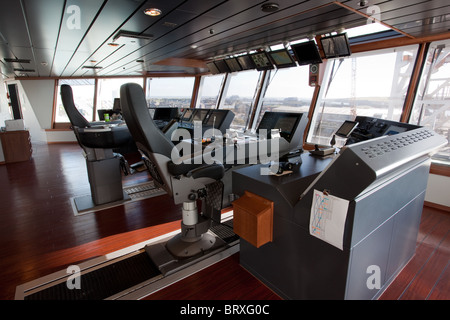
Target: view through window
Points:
(83, 96)
(109, 89)
(238, 96)
(370, 84)
(288, 90)
(170, 92)
(209, 91)
(432, 104)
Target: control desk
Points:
(278, 137)
(188, 118)
(338, 218)
(369, 128)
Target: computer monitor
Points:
(335, 46)
(222, 66)
(101, 113)
(306, 53)
(262, 61)
(212, 67)
(187, 115)
(282, 58)
(346, 128)
(199, 114)
(233, 64)
(116, 105)
(216, 117)
(286, 122)
(164, 113)
(246, 62)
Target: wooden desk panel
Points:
(16, 146)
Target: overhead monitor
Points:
(262, 61)
(246, 62)
(346, 128)
(222, 66)
(335, 46)
(306, 53)
(282, 58)
(233, 64)
(212, 67)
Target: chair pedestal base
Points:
(182, 249)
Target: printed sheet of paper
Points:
(327, 220)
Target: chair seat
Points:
(215, 171)
(104, 138)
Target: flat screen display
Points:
(346, 128)
(282, 58)
(222, 66)
(162, 114)
(262, 61)
(286, 122)
(246, 62)
(200, 114)
(187, 115)
(212, 67)
(335, 46)
(306, 53)
(215, 118)
(233, 64)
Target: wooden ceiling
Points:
(71, 38)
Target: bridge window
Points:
(170, 92)
(83, 96)
(109, 89)
(370, 84)
(209, 91)
(238, 96)
(432, 104)
(288, 90)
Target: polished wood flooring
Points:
(39, 234)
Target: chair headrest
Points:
(75, 117)
(140, 123)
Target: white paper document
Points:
(327, 220)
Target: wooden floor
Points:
(39, 234)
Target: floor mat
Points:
(84, 204)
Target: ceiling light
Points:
(153, 12)
(24, 70)
(92, 67)
(17, 60)
(270, 7)
(130, 37)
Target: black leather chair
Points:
(103, 144)
(75, 117)
(185, 183)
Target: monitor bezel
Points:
(234, 67)
(262, 68)
(310, 45)
(249, 60)
(340, 37)
(282, 65)
(347, 133)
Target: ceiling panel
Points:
(106, 24)
(62, 36)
